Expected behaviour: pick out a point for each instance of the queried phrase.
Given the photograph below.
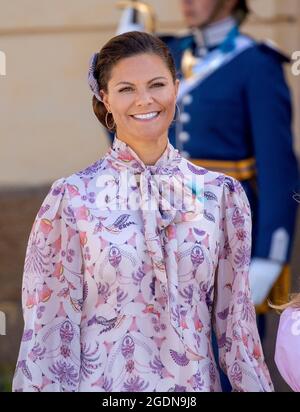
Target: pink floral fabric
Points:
(124, 299)
(287, 352)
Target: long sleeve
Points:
(240, 351)
(287, 352)
(270, 117)
(52, 295)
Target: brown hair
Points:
(120, 47)
(294, 303)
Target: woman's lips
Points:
(146, 117)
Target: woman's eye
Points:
(157, 84)
(128, 88)
(125, 89)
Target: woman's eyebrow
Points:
(155, 78)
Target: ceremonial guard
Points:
(234, 116)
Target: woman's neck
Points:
(149, 151)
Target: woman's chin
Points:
(151, 132)
(151, 135)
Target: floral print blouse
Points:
(123, 284)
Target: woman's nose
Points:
(144, 98)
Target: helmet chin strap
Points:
(218, 7)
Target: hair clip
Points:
(92, 81)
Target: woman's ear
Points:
(104, 97)
(176, 87)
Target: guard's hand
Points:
(262, 276)
(126, 23)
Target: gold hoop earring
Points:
(178, 114)
(106, 122)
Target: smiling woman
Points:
(133, 261)
(137, 86)
(143, 109)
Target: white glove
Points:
(262, 276)
(126, 23)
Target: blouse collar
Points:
(125, 155)
(167, 177)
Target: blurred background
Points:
(48, 129)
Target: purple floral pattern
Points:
(125, 300)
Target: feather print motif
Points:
(179, 358)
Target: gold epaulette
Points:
(240, 170)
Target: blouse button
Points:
(163, 289)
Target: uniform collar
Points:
(214, 34)
(124, 155)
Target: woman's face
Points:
(142, 97)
